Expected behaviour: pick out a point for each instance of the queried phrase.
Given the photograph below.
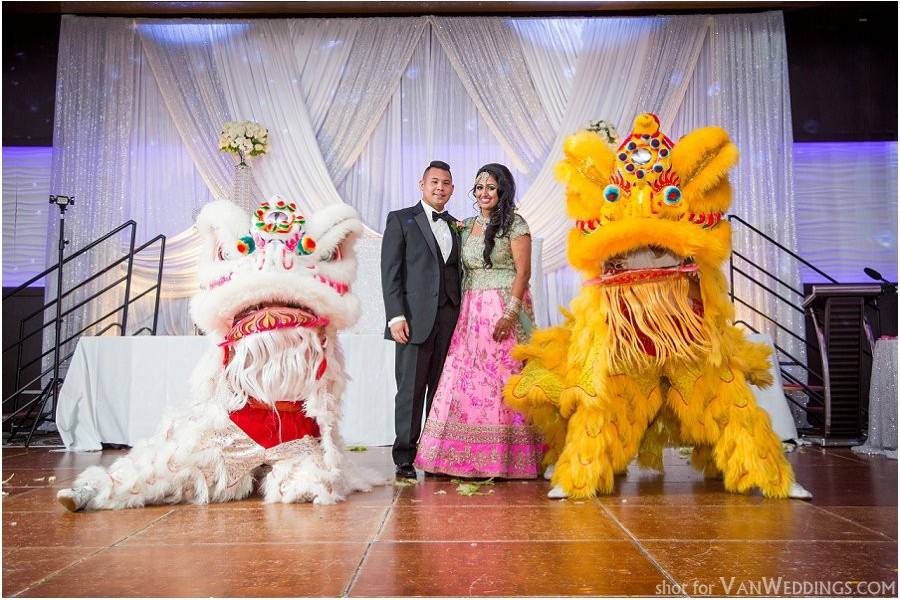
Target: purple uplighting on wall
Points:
(845, 198)
(26, 189)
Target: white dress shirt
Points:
(441, 231)
(444, 238)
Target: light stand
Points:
(51, 390)
(62, 203)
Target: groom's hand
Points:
(400, 332)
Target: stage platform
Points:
(672, 535)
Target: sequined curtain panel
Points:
(139, 105)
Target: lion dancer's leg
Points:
(536, 390)
(663, 432)
(314, 468)
(716, 408)
(703, 460)
(604, 434)
(535, 393)
(202, 458)
(299, 474)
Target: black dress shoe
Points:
(405, 472)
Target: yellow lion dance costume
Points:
(648, 356)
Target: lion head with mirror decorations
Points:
(651, 213)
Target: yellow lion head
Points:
(650, 235)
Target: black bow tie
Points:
(443, 215)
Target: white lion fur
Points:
(171, 467)
(214, 310)
(331, 226)
(180, 463)
(276, 365)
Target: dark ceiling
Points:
(393, 8)
(842, 56)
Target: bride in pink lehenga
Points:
(470, 432)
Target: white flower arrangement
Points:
(605, 130)
(244, 138)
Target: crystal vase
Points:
(240, 191)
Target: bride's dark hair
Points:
(503, 214)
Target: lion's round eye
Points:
(611, 193)
(306, 245)
(246, 245)
(671, 195)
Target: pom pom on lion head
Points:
(275, 259)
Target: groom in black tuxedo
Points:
(420, 280)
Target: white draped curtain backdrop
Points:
(357, 107)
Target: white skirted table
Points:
(882, 438)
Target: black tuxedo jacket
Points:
(411, 266)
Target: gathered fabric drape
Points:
(499, 83)
(357, 107)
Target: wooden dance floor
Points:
(673, 535)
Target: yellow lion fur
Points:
(599, 401)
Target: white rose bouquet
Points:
(244, 138)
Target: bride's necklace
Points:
(482, 220)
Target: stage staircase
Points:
(39, 375)
(824, 387)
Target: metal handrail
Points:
(81, 284)
(796, 307)
(81, 251)
(795, 361)
(159, 271)
(25, 387)
(19, 391)
(816, 400)
(761, 268)
(768, 318)
(781, 247)
(158, 286)
(51, 389)
(23, 337)
(787, 374)
(78, 333)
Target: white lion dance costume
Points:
(267, 393)
(648, 356)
